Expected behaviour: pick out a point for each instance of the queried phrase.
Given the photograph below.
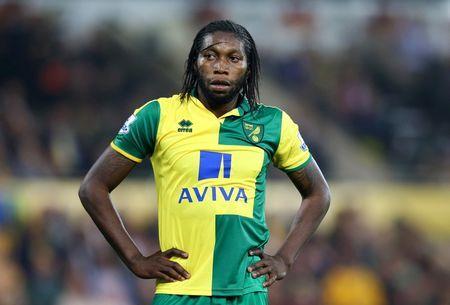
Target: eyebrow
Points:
(210, 46)
(214, 44)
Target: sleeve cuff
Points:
(124, 153)
(299, 167)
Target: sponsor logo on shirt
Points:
(303, 145)
(212, 166)
(212, 193)
(211, 163)
(185, 126)
(126, 127)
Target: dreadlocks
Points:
(250, 88)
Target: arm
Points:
(315, 203)
(104, 176)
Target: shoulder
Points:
(155, 106)
(274, 119)
(147, 108)
(262, 111)
(170, 100)
(268, 114)
(268, 109)
(277, 112)
(169, 104)
(273, 110)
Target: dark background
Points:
(368, 82)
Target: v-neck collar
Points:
(240, 110)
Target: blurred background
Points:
(367, 81)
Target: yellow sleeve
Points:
(292, 153)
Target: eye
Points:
(209, 56)
(235, 58)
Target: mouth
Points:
(219, 85)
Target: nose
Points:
(220, 66)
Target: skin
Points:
(223, 58)
(315, 203)
(104, 176)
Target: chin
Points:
(221, 98)
(220, 94)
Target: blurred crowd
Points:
(53, 260)
(61, 101)
(389, 87)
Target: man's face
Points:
(222, 67)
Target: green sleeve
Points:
(137, 137)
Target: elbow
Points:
(91, 192)
(85, 193)
(326, 199)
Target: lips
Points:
(219, 85)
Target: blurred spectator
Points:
(382, 88)
(347, 285)
(206, 11)
(51, 260)
(12, 279)
(61, 100)
(44, 283)
(50, 92)
(389, 89)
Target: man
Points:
(210, 147)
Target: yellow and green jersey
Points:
(210, 175)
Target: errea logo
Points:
(185, 126)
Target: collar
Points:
(240, 110)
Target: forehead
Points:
(223, 40)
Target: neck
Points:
(218, 107)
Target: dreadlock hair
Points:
(250, 88)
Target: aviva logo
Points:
(185, 126)
(212, 194)
(212, 165)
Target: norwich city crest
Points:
(253, 132)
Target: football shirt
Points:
(210, 176)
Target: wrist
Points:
(133, 261)
(286, 259)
